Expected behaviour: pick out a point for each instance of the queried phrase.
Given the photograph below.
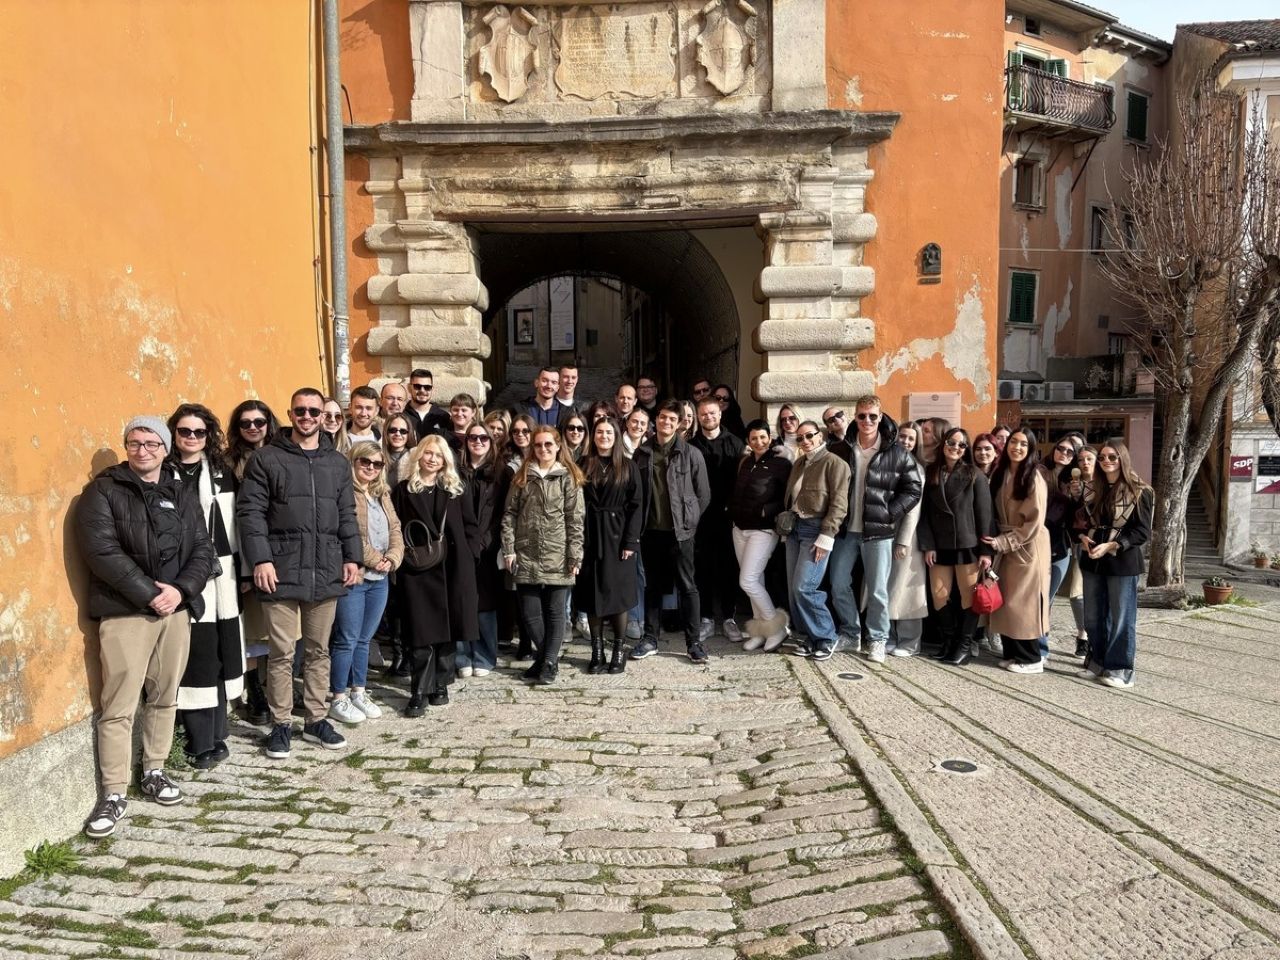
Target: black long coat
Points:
(488, 496)
(614, 521)
(438, 605)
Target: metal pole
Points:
(336, 155)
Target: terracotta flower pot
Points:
(1216, 595)
(1261, 562)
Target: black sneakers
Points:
(322, 732)
(108, 812)
(697, 653)
(277, 743)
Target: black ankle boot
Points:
(617, 662)
(960, 654)
(417, 704)
(256, 710)
(597, 655)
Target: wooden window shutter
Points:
(1136, 124)
(1022, 298)
(1014, 81)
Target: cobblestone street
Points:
(673, 811)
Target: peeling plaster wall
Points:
(933, 184)
(156, 245)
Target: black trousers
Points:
(716, 568)
(669, 562)
(206, 727)
(1021, 651)
(542, 618)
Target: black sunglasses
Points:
(198, 433)
(806, 437)
(366, 462)
(257, 423)
(311, 412)
(398, 431)
(477, 438)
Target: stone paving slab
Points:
(669, 812)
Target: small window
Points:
(1028, 183)
(1135, 127)
(1130, 229)
(1022, 297)
(1031, 26)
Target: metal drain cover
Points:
(959, 766)
(849, 676)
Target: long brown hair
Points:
(1129, 481)
(615, 464)
(1023, 475)
(563, 457)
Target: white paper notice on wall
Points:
(1266, 484)
(561, 297)
(1269, 448)
(922, 406)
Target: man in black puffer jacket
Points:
(149, 557)
(884, 484)
(297, 518)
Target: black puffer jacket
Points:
(957, 514)
(759, 490)
(118, 541)
(299, 513)
(893, 482)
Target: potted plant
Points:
(1217, 590)
(1260, 558)
(1275, 561)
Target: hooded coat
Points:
(543, 526)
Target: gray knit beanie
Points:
(155, 425)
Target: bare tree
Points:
(1199, 259)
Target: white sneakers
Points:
(705, 630)
(1037, 667)
(731, 631)
(344, 711)
(480, 671)
(464, 671)
(364, 703)
(875, 653)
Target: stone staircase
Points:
(1202, 546)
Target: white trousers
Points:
(754, 548)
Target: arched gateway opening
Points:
(606, 141)
(615, 303)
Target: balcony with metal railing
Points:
(1056, 106)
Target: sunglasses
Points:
(477, 438)
(957, 445)
(1109, 457)
(867, 417)
(198, 433)
(1066, 449)
(806, 437)
(257, 423)
(546, 445)
(838, 415)
(312, 412)
(722, 398)
(398, 431)
(519, 431)
(371, 464)
(575, 428)
(332, 416)
(789, 419)
(421, 386)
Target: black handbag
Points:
(423, 550)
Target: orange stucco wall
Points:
(935, 182)
(156, 245)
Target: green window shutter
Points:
(1057, 67)
(1022, 298)
(1136, 124)
(1014, 81)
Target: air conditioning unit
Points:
(1009, 389)
(1061, 390)
(1035, 392)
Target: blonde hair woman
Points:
(360, 611)
(542, 545)
(438, 603)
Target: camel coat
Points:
(1023, 562)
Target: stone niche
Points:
(569, 61)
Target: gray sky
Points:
(1161, 17)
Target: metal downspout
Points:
(335, 151)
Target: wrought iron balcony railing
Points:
(1039, 95)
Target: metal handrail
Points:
(1039, 93)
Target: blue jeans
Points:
(636, 613)
(1057, 573)
(481, 653)
(1111, 617)
(804, 583)
(877, 560)
(354, 622)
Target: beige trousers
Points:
(285, 620)
(941, 578)
(139, 653)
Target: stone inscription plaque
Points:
(617, 51)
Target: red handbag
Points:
(986, 595)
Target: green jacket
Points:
(543, 527)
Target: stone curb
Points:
(979, 924)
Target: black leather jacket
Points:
(118, 541)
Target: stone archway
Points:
(671, 266)
(686, 132)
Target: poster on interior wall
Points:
(922, 406)
(1266, 485)
(560, 293)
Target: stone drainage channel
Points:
(672, 811)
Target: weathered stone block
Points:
(840, 335)
(817, 281)
(818, 385)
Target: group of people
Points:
(224, 566)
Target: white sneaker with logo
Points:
(344, 711)
(364, 703)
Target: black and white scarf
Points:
(217, 638)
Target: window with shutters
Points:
(1022, 296)
(1135, 125)
(1028, 183)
